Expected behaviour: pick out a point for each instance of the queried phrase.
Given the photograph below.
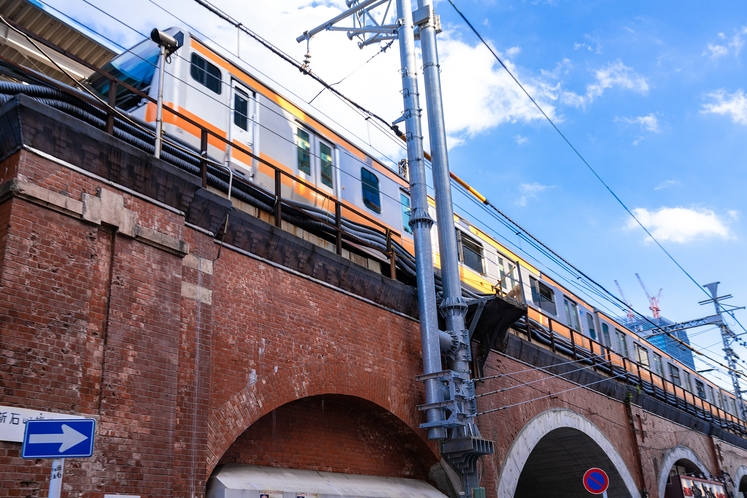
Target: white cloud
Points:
(513, 51)
(647, 123)
(666, 184)
(613, 75)
(733, 105)
(531, 191)
(520, 139)
(727, 45)
(681, 225)
(619, 75)
(480, 95)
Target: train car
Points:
(218, 93)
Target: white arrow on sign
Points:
(69, 438)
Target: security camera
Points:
(165, 40)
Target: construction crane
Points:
(629, 313)
(652, 301)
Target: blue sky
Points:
(650, 93)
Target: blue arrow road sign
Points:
(59, 438)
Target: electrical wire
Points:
(529, 383)
(599, 178)
(533, 369)
(575, 150)
(582, 386)
(531, 239)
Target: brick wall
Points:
(329, 434)
(113, 307)
(176, 355)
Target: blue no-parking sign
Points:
(58, 438)
(596, 481)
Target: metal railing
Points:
(564, 340)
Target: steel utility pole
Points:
(458, 410)
(728, 337)
(420, 220)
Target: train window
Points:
(700, 388)
(622, 343)
(606, 335)
(509, 274)
(370, 187)
(641, 355)
(711, 397)
(135, 67)
(325, 160)
(404, 201)
(729, 405)
(543, 296)
(590, 322)
(206, 73)
(674, 373)
(688, 384)
(470, 252)
(241, 109)
(571, 313)
(658, 367)
(304, 151)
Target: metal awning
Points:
(250, 481)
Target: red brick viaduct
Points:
(118, 303)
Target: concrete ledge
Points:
(39, 195)
(161, 241)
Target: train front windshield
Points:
(135, 67)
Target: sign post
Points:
(55, 482)
(58, 439)
(596, 481)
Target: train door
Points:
(326, 171)
(241, 128)
(317, 165)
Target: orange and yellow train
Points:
(216, 92)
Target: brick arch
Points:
(673, 456)
(538, 428)
(245, 407)
(738, 476)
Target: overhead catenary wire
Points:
(575, 150)
(529, 383)
(533, 369)
(550, 395)
(298, 65)
(212, 97)
(594, 172)
(502, 214)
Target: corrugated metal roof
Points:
(28, 16)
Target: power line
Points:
(506, 407)
(574, 149)
(536, 243)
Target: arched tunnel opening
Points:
(557, 464)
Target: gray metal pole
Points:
(420, 221)
(159, 103)
(55, 481)
(453, 304)
(727, 337)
